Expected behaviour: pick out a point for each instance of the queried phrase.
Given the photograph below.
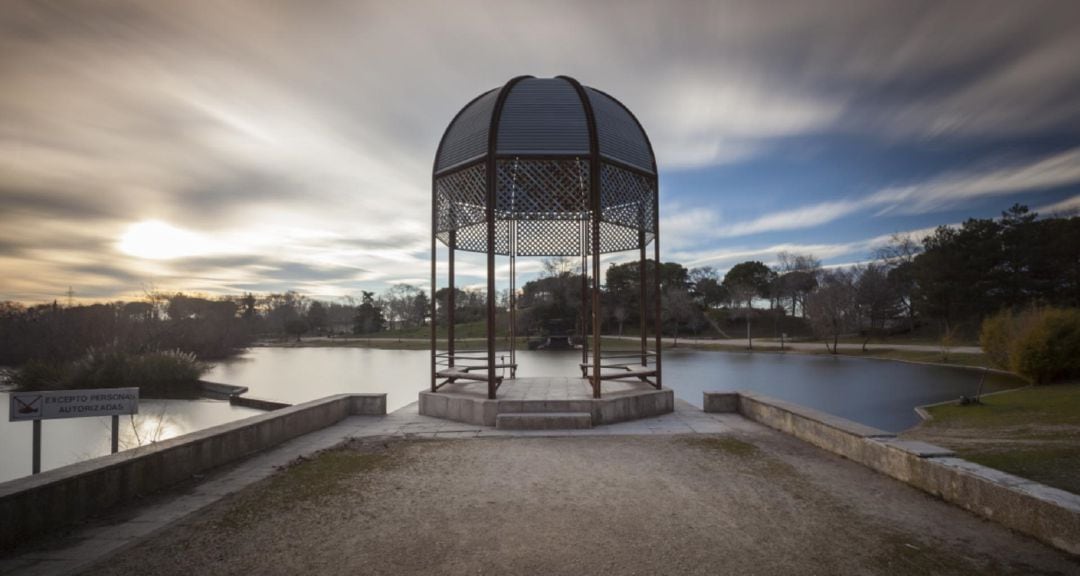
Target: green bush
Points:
(1050, 348)
(996, 338)
(39, 375)
(168, 374)
(1040, 344)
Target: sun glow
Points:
(156, 240)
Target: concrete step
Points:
(543, 421)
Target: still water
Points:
(72, 440)
(878, 393)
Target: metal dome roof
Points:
(545, 117)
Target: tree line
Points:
(944, 284)
(950, 280)
(208, 327)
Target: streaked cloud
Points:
(954, 189)
(852, 252)
(1067, 207)
(804, 217)
(693, 226)
(276, 144)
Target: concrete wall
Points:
(721, 402)
(257, 403)
(1049, 514)
(367, 404)
(220, 391)
(633, 406)
(37, 504)
(609, 410)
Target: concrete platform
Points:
(544, 421)
(622, 400)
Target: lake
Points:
(877, 393)
(73, 440)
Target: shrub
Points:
(996, 338)
(168, 374)
(1050, 348)
(1040, 344)
(39, 375)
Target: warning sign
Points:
(73, 403)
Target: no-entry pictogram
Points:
(26, 406)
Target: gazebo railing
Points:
(467, 364)
(623, 365)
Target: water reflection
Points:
(877, 393)
(73, 440)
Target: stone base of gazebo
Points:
(546, 403)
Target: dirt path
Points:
(762, 503)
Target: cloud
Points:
(295, 136)
(696, 226)
(708, 120)
(856, 251)
(950, 190)
(1067, 207)
(804, 217)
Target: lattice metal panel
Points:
(615, 238)
(542, 189)
(549, 237)
(474, 238)
(460, 199)
(626, 198)
(549, 200)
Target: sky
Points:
(229, 147)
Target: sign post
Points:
(115, 444)
(54, 404)
(36, 467)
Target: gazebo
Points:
(545, 167)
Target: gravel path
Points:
(756, 502)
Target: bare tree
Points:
(797, 277)
(897, 259)
(876, 300)
(399, 305)
(677, 307)
(831, 308)
(901, 249)
(559, 266)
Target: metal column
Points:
(434, 283)
(642, 293)
(656, 281)
(451, 300)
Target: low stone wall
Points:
(219, 391)
(37, 504)
(367, 404)
(1046, 513)
(257, 403)
(721, 402)
(608, 410)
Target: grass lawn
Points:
(979, 360)
(976, 360)
(474, 332)
(1033, 432)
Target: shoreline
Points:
(874, 351)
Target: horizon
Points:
(262, 148)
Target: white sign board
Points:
(48, 405)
